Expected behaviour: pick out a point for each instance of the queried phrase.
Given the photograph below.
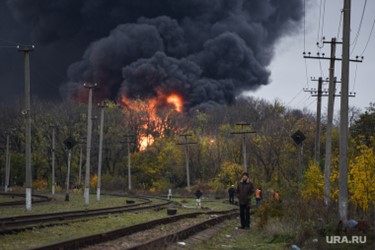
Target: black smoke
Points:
(209, 51)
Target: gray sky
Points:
(288, 68)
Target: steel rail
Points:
(21, 223)
(39, 199)
(114, 234)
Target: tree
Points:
(362, 175)
(365, 125)
(313, 183)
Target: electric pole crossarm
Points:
(328, 58)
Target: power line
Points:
(355, 40)
(369, 37)
(320, 19)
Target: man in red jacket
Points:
(245, 190)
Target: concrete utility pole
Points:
(331, 94)
(331, 103)
(343, 162)
(101, 105)
(7, 165)
(27, 113)
(53, 158)
(88, 143)
(129, 139)
(186, 144)
(243, 133)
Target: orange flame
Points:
(176, 101)
(151, 107)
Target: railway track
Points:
(20, 223)
(35, 199)
(122, 238)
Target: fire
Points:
(148, 109)
(176, 101)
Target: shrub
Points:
(40, 185)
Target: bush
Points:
(268, 210)
(40, 185)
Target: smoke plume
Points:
(209, 51)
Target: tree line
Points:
(215, 160)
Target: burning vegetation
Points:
(153, 115)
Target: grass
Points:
(43, 236)
(232, 238)
(76, 202)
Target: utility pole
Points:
(101, 105)
(186, 144)
(81, 143)
(344, 106)
(243, 133)
(331, 103)
(7, 165)
(318, 117)
(88, 143)
(129, 139)
(53, 157)
(331, 96)
(27, 113)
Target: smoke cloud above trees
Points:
(209, 51)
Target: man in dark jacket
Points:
(231, 192)
(245, 190)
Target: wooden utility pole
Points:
(88, 143)
(186, 144)
(101, 105)
(129, 139)
(7, 165)
(343, 162)
(81, 143)
(243, 133)
(27, 114)
(53, 184)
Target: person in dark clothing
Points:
(231, 192)
(198, 194)
(245, 190)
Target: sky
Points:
(291, 73)
(208, 51)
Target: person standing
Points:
(198, 195)
(258, 196)
(245, 190)
(231, 192)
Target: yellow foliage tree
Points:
(361, 181)
(314, 183)
(93, 181)
(230, 173)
